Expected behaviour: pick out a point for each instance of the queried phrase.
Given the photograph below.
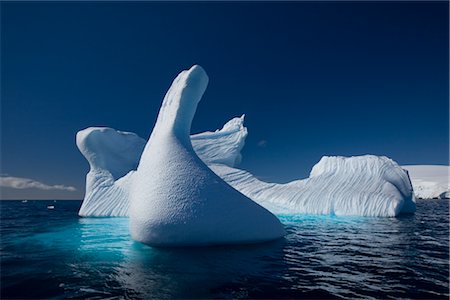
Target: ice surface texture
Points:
(222, 146)
(113, 156)
(363, 186)
(360, 186)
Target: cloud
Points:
(26, 183)
(262, 143)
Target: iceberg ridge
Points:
(337, 186)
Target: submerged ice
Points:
(171, 178)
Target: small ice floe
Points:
(51, 207)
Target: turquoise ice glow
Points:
(56, 254)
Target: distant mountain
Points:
(429, 181)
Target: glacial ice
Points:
(175, 199)
(221, 146)
(364, 186)
(113, 156)
(359, 186)
(430, 181)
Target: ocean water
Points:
(54, 254)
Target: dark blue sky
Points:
(314, 79)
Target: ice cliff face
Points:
(175, 199)
(364, 186)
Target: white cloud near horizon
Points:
(27, 183)
(262, 143)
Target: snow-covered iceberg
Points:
(365, 185)
(360, 186)
(221, 146)
(430, 181)
(175, 199)
(113, 157)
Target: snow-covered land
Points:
(365, 185)
(429, 181)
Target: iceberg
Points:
(362, 186)
(113, 156)
(175, 199)
(222, 146)
(430, 181)
(346, 186)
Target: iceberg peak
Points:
(180, 103)
(175, 198)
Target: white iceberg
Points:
(355, 186)
(175, 199)
(363, 186)
(221, 146)
(113, 157)
(430, 181)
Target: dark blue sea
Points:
(54, 254)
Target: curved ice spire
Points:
(180, 103)
(175, 198)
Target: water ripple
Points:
(55, 254)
